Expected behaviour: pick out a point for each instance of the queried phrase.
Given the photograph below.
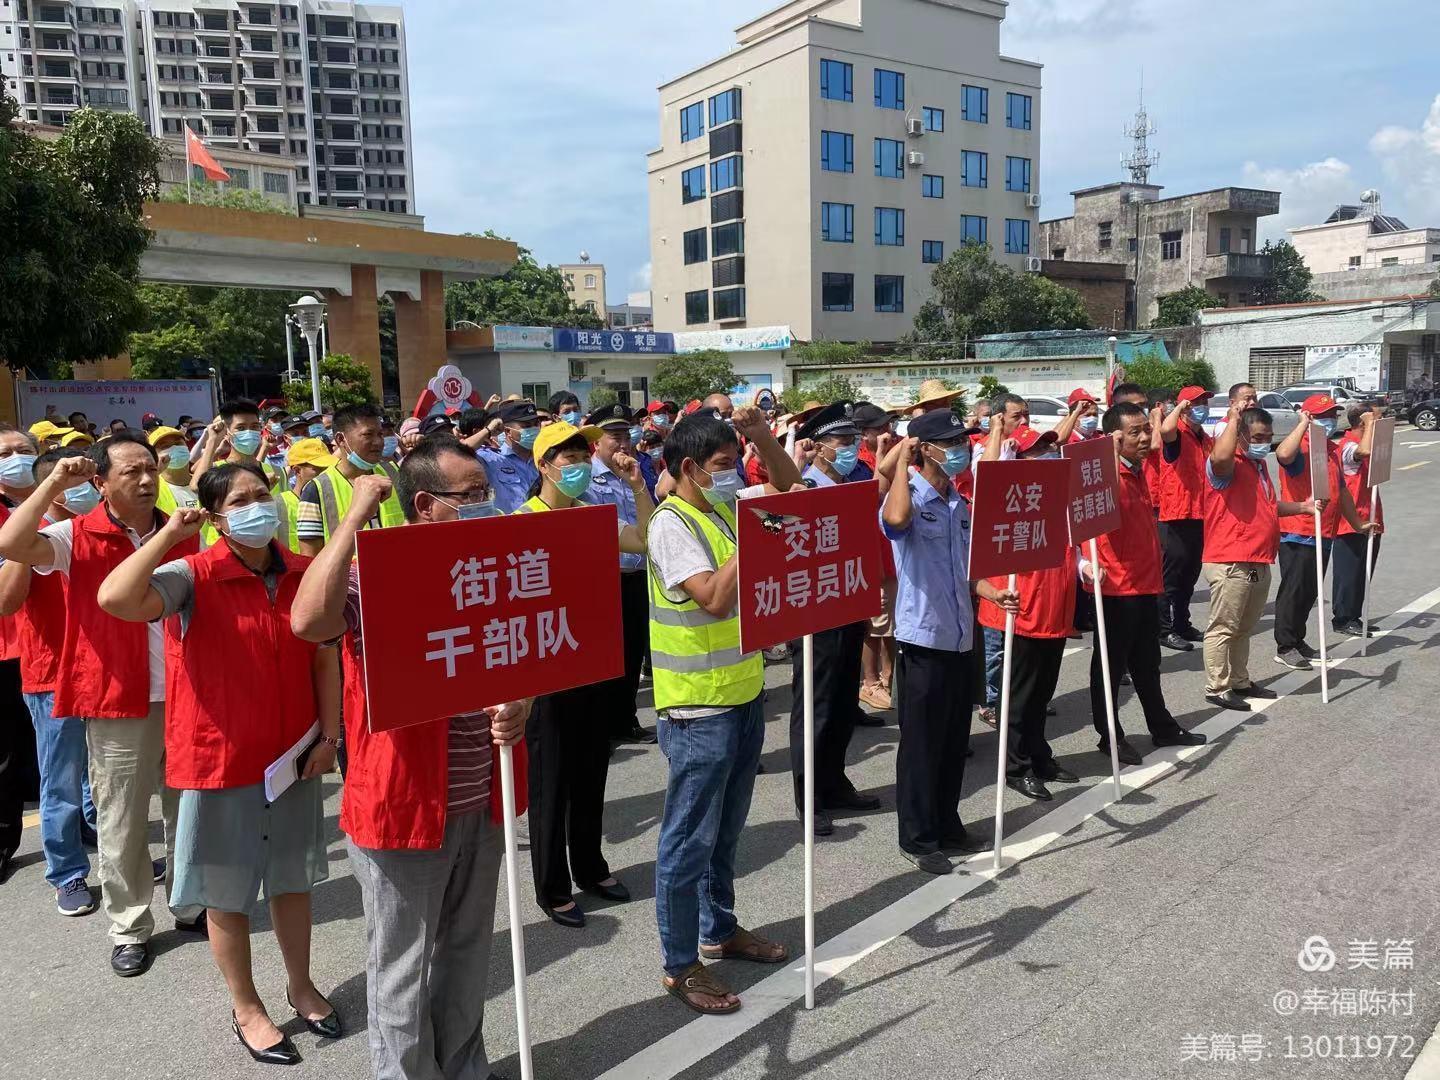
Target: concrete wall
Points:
(1364, 284)
(1104, 287)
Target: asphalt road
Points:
(1155, 937)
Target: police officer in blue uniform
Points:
(511, 469)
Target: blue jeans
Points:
(65, 802)
(994, 664)
(707, 798)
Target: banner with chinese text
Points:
(1019, 515)
(1094, 488)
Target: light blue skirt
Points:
(230, 845)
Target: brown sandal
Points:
(697, 979)
(743, 945)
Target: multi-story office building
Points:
(322, 82)
(585, 284)
(814, 175)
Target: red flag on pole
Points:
(200, 155)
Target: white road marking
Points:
(1418, 464)
(1428, 442)
(691, 1044)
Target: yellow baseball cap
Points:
(309, 452)
(553, 434)
(158, 433)
(43, 429)
(77, 438)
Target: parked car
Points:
(1284, 415)
(1343, 393)
(1425, 414)
(1047, 412)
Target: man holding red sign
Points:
(1358, 461)
(425, 852)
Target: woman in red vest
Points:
(243, 691)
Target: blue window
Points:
(932, 187)
(730, 303)
(692, 121)
(837, 292)
(837, 151)
(697, 307)
(889, 89)
(890, 158)
(974, 168)
(932, 251)
(889, 292)
(974, 229)
(1017, 174)
(725, 173)
(695, 246)
(725, 107)
(837, 222)
(975, 104)
(692, 184)
(1017, 111)
(934, 118)
(889, 226)
(1017, 236)
(837, 80)
(727, 239)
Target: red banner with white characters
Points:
(1019, 517)
(1094, 488)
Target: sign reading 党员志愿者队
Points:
(613, 341)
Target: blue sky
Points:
(535, 120)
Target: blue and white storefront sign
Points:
(613, 341)
(745, 339)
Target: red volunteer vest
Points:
(41, 628)
(1297, 489)
(1359, 485)
(239, 686)
(1241, 522)
(1047, 603)
(1183, 486)
(1152, 474)
(395, 781)
(9, 624)
(104, 663)
(1130, 556)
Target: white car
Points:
(1283, 415)
(1047, 412)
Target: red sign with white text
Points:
(1382, 448)
(1019, 518)
(1094, 488)
(459, 615)
(809, 561)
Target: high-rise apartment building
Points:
(815, 174)
(320, 82)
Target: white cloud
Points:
(1410, 161)
(640, 280)
(1307, 194)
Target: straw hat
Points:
(933, 392)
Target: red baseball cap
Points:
(1192, 393)
(1081, 394)
(691, 406)
(1320, 405)
(662, 406)
(1027, 438)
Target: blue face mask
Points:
(177, 457)
(661, 420)
(470, 511)
(245, 442)
(17, 471)
(82, 498)
(275, 428)
(1199, 413)
(570, 416)
(316, 430)
(527, 437)
(1258, 451)
(1089, 424)
(1328, 425)
(574, 479)
(957, 460)
(391, 445)
(984, 423)
(359, 462)
(845, 460)
(724, 487)
(636, 434)
(656, 453)
(254, 525)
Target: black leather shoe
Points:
(617, 892)
(1030, 786)
(823, 825)
(1180, 738)
(866, 719)
(932, 862)
(127, 961)
(1127, 754)
(1053, 773)
(574, 918)
(282, 1053)
(327, 1027)
(852, 800)
(1256, 692)
(637, 736)
(1174, 641)
(964, 844)
(1228, 699)
(1191, 634)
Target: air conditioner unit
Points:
(914, 126)
(1032, 263)
(1032, 201)
(916, 157)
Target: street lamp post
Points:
(309, 312)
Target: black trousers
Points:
(19, 775)
(1133, 636)
(615, 700)
(1297, 592)
(1034, 674)
(1182, 544)
(838, 655)
(569, 761)
(932, 695)
(1350, 578)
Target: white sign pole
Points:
(517, 923)
(1003, 744)
(1102, 643)
(1320, 609)
(1369, 571)
(808, 659)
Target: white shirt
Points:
(61, 537)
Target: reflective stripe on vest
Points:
(335, 499)
(695, 656)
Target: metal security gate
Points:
(1273, 368)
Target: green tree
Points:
(1148, 369)
(71, 218)
(343, 381)
(991, 387)
(974, 295)
(231, 330)
(600, 397)
(686, 376)
(528, 294)
(829, 389)
(1434, 289)
(1179, 308)
(833, 352)
(162, 353)
(1288, 280)
(209, 193)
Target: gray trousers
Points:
(429, 922)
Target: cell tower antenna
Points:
(1141, 158)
